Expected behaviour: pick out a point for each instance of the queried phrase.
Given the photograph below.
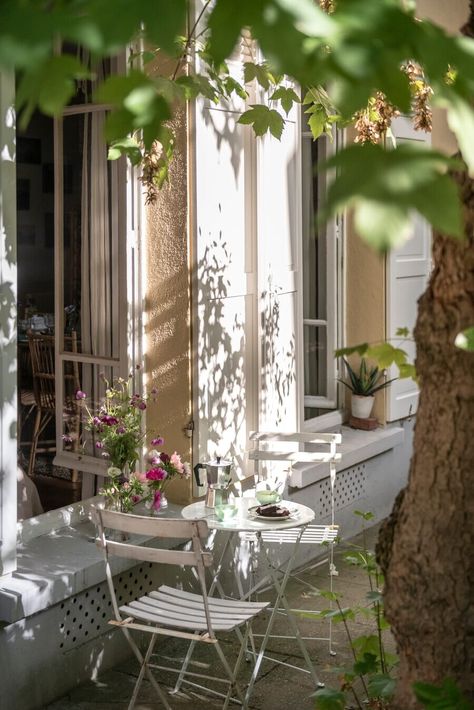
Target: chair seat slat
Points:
(190, 596)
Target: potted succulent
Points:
(363, 385)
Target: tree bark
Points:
(427, 546)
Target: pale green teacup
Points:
(265, 496)
(225, 512)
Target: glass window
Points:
(321, 282)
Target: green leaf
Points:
(329, 699)
(317, 122)
(366, 644)
(386, 354)
(406, 370)
(260, 72)
(360, 349)
(402, 332)
(287, 96)
(375, 596)
(445, 697)
(382, 186)
(465, 339)
(367, 664)
(263, 119)
(368, 515)
(381, 686)
(128, 147)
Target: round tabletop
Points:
(245, 519)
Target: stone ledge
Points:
(356, 446)
(56, 566)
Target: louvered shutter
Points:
(407, 273)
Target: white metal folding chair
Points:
(169, 611)
(315, 534)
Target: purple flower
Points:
(159, 441)
(142, 405)
(156, 474)
(99, 445)
(121, 430)
(154, 390)
(80, 395)
(96, 421)
(110, 421)
(165, 458)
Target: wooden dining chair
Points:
(42, 354)
(170, 611)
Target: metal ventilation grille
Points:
(86, 614)
(349, 487)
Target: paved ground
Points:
(278, 687)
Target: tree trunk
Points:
(427, 546)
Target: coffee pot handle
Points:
(196, 469)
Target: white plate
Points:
(254, 515)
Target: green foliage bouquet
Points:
(117, 426)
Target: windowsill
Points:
(357, 446)
(54, 566)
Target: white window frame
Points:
(334, 322)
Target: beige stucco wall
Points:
(167, 309)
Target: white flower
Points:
(113, 472)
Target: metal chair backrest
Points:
(190, 530)
(330, 455)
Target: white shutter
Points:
(279, 200)
(407, 273)
(224, 287)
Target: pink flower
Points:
(159, 441)
(175, 460)
(136, 499)
(187, 469)
(99, 445)
(156, 500)
(156, 474)
(80, 394)
(140, 476)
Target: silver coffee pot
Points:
(218, 477)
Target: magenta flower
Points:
(80, 395)
(156, 500)
(159, 441)
(99, 445)
(156, 474)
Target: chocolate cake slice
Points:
(272, 511)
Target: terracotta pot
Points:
(361, 406)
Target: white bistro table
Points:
(245, 521)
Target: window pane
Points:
(315, 264)
(90, 233)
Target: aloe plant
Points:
(367, 381)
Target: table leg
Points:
(280, 589)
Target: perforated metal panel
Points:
(350, 486)
(86, 614)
